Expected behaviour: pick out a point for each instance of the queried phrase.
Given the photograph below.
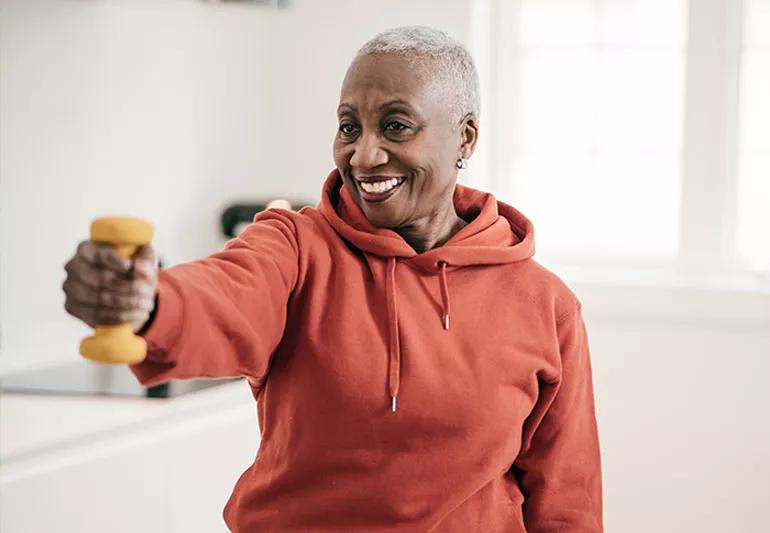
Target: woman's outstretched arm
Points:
(224, 315)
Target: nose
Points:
(368, 153)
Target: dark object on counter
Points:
(86, 378)
(239, 214)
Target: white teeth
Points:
(380, 186)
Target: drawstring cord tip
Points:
(446, 321)
(393, 404)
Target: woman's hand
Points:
(103, 288)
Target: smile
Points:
(378, 191)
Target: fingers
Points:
(145, 264)
(96, 277)
(104, 316)
(104, 288)
(136, 296)
(98, 265)
(103, 255)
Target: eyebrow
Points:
(394, 103)
(389, 103)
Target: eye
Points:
(396, 126)
(347, 128)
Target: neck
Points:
(432, 231)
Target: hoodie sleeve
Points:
(559, 465)
(224, 315)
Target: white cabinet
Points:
(123, 465)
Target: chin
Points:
(379, 219)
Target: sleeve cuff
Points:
(165, 323)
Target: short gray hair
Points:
(450, 65)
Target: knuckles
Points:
(98, 294)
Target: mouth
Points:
(377, 189)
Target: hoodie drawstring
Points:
(394, 345)
(445, 294)
(395, 349)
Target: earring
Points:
(462, 163)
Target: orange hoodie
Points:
(447, 391)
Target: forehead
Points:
(373, 79)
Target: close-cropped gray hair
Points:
(450, 65)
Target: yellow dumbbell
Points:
(117, 344)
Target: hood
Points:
(496, 234)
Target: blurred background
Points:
(635, 134)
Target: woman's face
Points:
(393, 130)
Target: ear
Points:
(469, 135)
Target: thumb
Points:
(145, 253)
(145, 262)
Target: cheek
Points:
(429, 153)
(443, 158)
(340, 153)
(414, 155)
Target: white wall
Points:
(680, 379)
(154, 109)
(164, 109)
(170, 109)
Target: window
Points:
(600, 108)
(753, 211)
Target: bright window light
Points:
(593, 124)
(753, 186)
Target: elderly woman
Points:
(414, 368)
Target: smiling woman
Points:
(376, 412)
(405, 121)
